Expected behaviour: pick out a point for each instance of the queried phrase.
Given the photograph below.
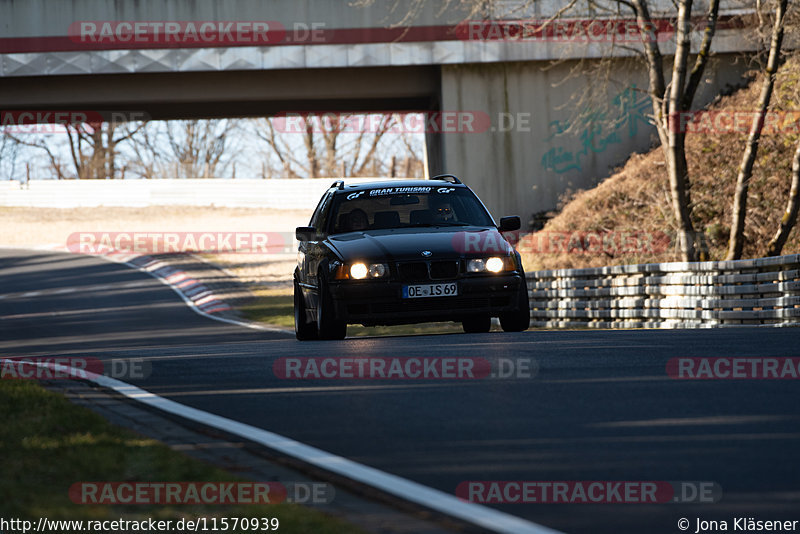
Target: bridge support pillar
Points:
(530, 145)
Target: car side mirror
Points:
(305, 233)
(509, 224)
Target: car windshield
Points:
(406, 207)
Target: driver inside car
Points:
(443, 212)
(358, 220)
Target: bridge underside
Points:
(252, 93)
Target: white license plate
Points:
(430, 290)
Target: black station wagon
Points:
(406, 251)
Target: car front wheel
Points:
(303, 330)
(520, 319)
(328, 325)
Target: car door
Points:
(314, 251)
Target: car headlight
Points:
(476, 265)
(377, 270)
(492, 265)
(360, 270)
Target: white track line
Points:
(476, 514)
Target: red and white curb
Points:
(199, 297)
(191, 288)
(194, 293)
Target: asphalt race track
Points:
(601, 407)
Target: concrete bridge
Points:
(512, 98)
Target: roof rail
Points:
(338, 184)
(453, 179)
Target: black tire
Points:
(328, 325)
(520, 319)
(477, 325)
(303, 330)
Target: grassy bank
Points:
(637, 197)
(47, 444)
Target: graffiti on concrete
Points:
(597, 131)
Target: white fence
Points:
(277, 194)
(669, 295)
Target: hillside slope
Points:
(636, 198)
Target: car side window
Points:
(320, 217)
(317, 210)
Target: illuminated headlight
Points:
(480, 265)
(359, 271)
(494, 265)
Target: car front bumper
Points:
(380, 302)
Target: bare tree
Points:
(185, 148)
(736, 240)
(290, 162)
(144, 161)
(317, 145)
(9, 153)
(670, 101)
(56, 165)
(198, 146)
(93, 149)
(789, 218)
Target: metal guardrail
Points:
(763, 291)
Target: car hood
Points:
(409, 243)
